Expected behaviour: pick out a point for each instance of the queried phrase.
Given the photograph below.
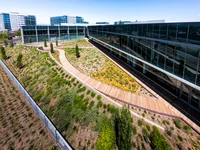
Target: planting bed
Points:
(93, 63)
(20, 128)
(80, 114)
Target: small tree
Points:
(124, 128)
(5, 43)
(11, 44)
(19, 61)
(158, 141)
(3, 53)
(30, 40)
(51, 48)
(45, 43)
(77, 51)
(56, 42)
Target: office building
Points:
(121, 22)
(16, 20)
(55, 21)
(5, 22)
(52, 33)
(30, 20)
(102, 22)
(165, 54)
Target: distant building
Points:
(85, 22)
(5, 21)
(122, 22)
(30, 20)
(16, 20)
(102, 22)
(66, 19)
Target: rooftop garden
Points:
(85, 118)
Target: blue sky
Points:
(107, 10)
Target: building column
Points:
(133, 62)
(48, 34)
(36, 34)
(190, 95)
(76, 32)
(59, 32)
(144, 68)
(68, 33)
(152, 51)
(22, 34)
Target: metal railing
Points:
(60, 141)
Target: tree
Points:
(106, 136)
(45, 43)
(158, 141)
(11, 44)
(19, 61)
(56, 42)
(30, 40)
(5, 43)
(77, 51)
(3, 53)
(123, 129)
(51, 48)
(17, 33)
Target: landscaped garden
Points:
(86, 119)
(93, 63)
(20, 128)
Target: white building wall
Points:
(71, 19)
(1, 23)
(16, 20)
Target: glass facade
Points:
(5, 18)
(58, 20)
(30, 20)
(167, 53)
(51, 33)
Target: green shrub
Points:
(106, 136)
(177, 123)
(140, 122)
(123, 129)
(144, 131)
(148, 127)
(134, 130)
(77, 51)
(93, 94)
(158, 141)
(169, 132)
(51, 48)
(81, 89)
(180, 147)
(88, 92)
(180, 138)
(91, 104)
(19, 61)
(187, 128)
(113, 110)
(99, 97)
(3, 53)
(99, 104)
(11, 44)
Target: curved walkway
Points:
(155, 105)
(152, 104)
